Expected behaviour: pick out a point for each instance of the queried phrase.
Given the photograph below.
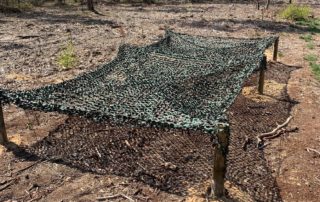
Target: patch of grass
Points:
(310, 22)
(315, 69)
(313, 24)
(310, 45)
(307, 37)
(67, 57)
(296, 12)
(311, 58)
(280, 54)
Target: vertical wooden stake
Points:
(275, 49)
(263, 67)
(3, 133)
(220, 160)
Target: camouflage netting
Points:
(181, 81)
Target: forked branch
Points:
(272, 133)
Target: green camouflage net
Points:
(182, 81)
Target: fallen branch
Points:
(35, 199)
(7, 185)
(272, 133)
(315, 151)
(115, 196)
(280, 132)
(29, 166)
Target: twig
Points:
(310, 149)
(115, 196)
(26, 168)
(272, 133)
(6, 186)
(35, 199)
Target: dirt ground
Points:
(30, 43)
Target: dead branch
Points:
(35, 199)
(7, 185)
(115, 196)
(272, 133)
(26, 168)
(313, 150)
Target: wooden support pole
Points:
(275, 49)
(3, 133)
(220, 160)
(263, 67)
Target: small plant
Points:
(311, 58)
(315, 69)
(67, 58)
(296, 12)
(280, 54)
(307, 37)
(310, 45)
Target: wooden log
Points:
(275, 49)
(3, 133)
(263, 67)
(220, 160)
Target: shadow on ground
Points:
(235, 25)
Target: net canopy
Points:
(181, 81)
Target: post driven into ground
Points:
(263, 67)
(220, 160)
(3, 133)
(275, 49)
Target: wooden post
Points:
(263, 67)
(275, 49)
(220, 160)
(3, 133)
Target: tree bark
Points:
(220, 160)
(90, 5)
(268, 4)
(3, 133)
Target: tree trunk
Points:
(258, 4)
(268, 4)
(90, 5)
(60, 2)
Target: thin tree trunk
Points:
(90, 5)
(258, 4)
(268, 4)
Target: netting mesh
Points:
(174, 160)
(181, 81)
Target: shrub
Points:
(67, 58)
(310, 46)
(315, 69)
(311, 58)
(296, 12)
(307, 37)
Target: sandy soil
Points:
(30, 43)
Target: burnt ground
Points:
(30, 43)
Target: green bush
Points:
(315, 69)
(296, 12)
(307, 37)
(311, 58)
(310, 45)
(67, 58)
